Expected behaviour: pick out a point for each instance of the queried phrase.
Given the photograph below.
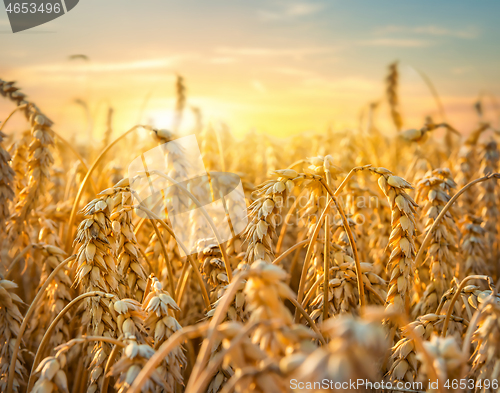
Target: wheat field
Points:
(370, 254)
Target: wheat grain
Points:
(472, 246)
(52, 375)
(162, 324)
(96, 270)
(129, 268)
(10, 321)
(488, 198)
(401, 262)
(19, 153)
(128, 367)
(6, 180)
(58, 293)
(485, 366)
(438, 269)
(263, 213)
(353, 353)
(39, 159)
(447, 356)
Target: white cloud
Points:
(289, 71)
(308, 81)
(352, 86)
(431, 30)
(290, 11)
(222, 60)
(396, 42)
(297, 53)
(68, 67)
(259, 86)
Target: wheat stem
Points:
(182, 289)
(457, 294)
(288, 216)
(180, 282)
(214, 364)
(347, 228)
(311, 290)
(80, 158)
(85, 339)
(468, 334)
(72, 217)
(290, 250)
(10, 115)
(311, 323)
(111, 359)
(146, 259)
(428, 236)
(297, 163)
(305, 266)
(173, 341)
(349, 176)
(188, 256)
(52, 326)
(220, 313)
(326, 268)
(19, 256)
(170, 270)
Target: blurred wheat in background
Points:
(369, 253)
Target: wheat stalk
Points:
(485, 357)
(127, 252)
(392, 81)
(440, 262)
(97, 271)
(401, 265)
(488, 198)
(19, 163)
(263, 212)
(161, 323)
(40, 158)
(10, 323)
(6, 179)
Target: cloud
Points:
(396, 43)
(222, 60)
(259, 86)
(296, 72)
(297, 53)
(430, 30)
(309, 82)
(345, 85)
(291, 11)
(68, 67)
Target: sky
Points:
(277, 67)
